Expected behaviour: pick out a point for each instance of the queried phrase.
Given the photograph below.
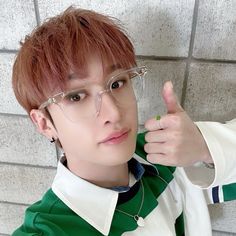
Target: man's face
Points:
(82, 141)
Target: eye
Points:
(76, 96)
(119, 82)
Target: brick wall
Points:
(192, 43)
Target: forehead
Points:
(95, 70)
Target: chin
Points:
(120, 155)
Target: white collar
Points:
(94, 204)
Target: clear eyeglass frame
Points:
(136, 72)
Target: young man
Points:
(77, 77)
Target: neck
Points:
(103, 176)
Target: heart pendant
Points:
(140, 221)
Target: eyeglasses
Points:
(126, 88)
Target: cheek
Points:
(132, 115)
(73, 136)
(78, 142)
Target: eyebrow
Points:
(112, 68)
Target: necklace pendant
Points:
(140, 221)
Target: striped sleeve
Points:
(221, 193)
(220, 183)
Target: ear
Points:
(43, 124)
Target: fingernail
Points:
(171, 84)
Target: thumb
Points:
(170, 98)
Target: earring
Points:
(52, 140)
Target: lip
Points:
(116, 137)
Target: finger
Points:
(154, 124)
(161, 159)
(157, 136)
(170, 98)
(152, 148)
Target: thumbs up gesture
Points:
(174, 139)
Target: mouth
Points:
(116, 138)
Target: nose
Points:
(107, 107)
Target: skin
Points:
(102, 164)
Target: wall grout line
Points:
(27, 165)
(190, 52)
(37, 15)
(203, 60)
(225, 232)
(185, 59)
(14, 203)
(161, 58)
(10, 51)
(14, 115)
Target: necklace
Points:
(140, 221)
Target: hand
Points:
(174, 140)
